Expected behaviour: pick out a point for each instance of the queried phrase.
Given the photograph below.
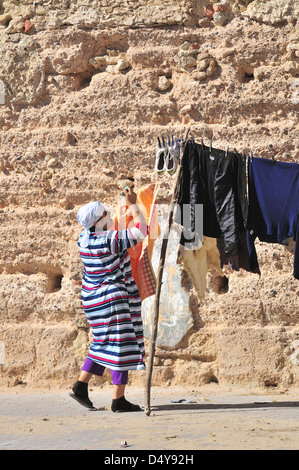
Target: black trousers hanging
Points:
(217, 181)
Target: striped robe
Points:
(111, 300)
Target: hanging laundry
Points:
(239, 261)
(141, 254)
(197, 264)
(216, 180)
(274, 205)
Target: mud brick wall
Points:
(86, 88)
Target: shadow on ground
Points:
(224, 406)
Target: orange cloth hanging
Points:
(141, 254)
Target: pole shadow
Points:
(224, 406)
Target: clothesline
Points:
(230, 171)
(179, 142)
(243, 198)
(237, 193)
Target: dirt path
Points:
(206, 418)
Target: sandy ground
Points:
(206, 418)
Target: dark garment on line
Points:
(218, 182)
(239, 261)
(273, 205)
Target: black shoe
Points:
(80, 394)
(121, 405)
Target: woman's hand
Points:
(138, 217)
(131, 197)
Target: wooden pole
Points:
(173, 203)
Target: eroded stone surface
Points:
(87, 87)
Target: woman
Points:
(110, 300)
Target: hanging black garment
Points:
(217, 181)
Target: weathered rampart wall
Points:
(86, 89)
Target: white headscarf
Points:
(87, 215)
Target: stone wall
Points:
(86, 89)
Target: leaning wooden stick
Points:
(173, 203)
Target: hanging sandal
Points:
(172, 158)
(160, 159)
(161, 156)
(171, 162)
